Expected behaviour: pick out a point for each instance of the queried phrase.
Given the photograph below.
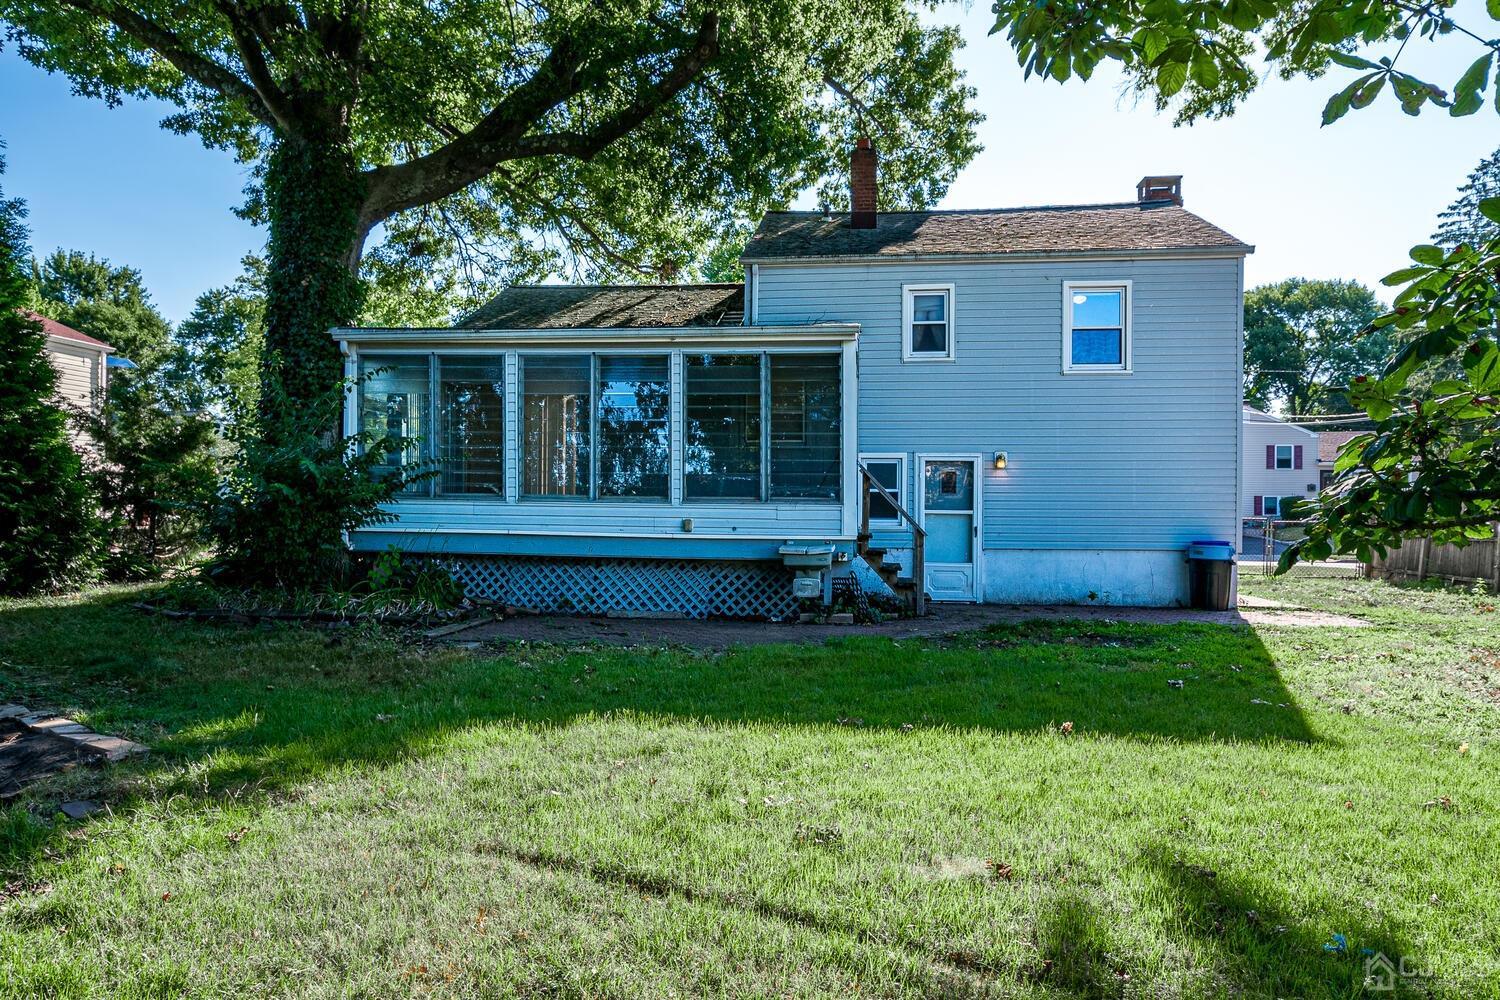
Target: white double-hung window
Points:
(927, 323)
(1096, 327)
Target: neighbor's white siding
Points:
(1261, 481)
(1141, 461)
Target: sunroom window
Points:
(1096, 327)
(722, 447)
(634, 453)
(471, 426)
(393, 403)
(555, 438)
(806, 438)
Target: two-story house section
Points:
(1281, 463)
(1010, 405)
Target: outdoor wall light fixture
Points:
(1001, 460)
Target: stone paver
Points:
(945, 620)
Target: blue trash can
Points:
(1210, 572)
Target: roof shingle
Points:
(55, 329)
(1052, 229)
(537, 307)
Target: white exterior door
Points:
(949, 512)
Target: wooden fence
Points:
(1419, 559)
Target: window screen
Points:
(805, 430)
(555, 437)
(722, 449)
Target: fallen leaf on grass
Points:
(1066, 728)
(999, 869)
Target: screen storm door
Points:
(950, 515)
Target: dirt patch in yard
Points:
(944, 620)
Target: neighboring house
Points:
(1053, 393)
(1279, 464)
(1330, 443)
(82, 364)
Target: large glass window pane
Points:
(722, 452)
(555, 425)
(471, 414)
(633, 445)
(393, 400)
(1096, 309)
(805, 426)
(1097, 347)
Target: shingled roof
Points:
(538, 307)
(1052, 229)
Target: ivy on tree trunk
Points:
(313, 192)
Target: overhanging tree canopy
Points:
(614, 138)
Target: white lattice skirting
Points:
(691, 588)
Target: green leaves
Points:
(1170, 78)
(1468, 93)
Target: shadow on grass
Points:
(268, 707)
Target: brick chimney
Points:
(1165, 188)
(862, 163)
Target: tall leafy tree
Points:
(219, 345)
(104, 301)
(613, 138)
(1462, 221)
(1305, 342)
(152, 452)
(46, 513)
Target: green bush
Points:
(293, 489)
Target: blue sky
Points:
(1338, 202)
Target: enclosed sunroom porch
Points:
(665, 470)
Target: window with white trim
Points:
(927, 323)
(1271, 506)
(889, 471)
(1283, 456)
(1096, 327)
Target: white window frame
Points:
(907, 354)
(1291, 457)
(1267, 502)
(1127, 294)
(865, 458)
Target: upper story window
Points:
(1283, 456)
(927, 323)
(1096, 327)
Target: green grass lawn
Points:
(351, 816)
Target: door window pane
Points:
(806, 442)
(722, 453)
(555, 426)
(471, 412)
(393, 398)
(949, 486)
(633, 444)
(886, 472)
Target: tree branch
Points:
(248, 41)
(860, 108)
(189, 63)
(499, 136)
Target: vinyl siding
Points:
(1147, 460)
(1261, 481)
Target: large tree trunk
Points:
(313, 193)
